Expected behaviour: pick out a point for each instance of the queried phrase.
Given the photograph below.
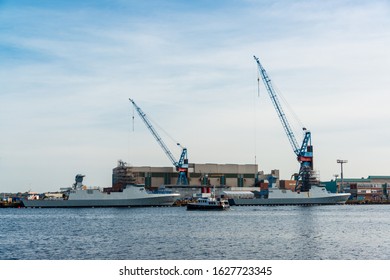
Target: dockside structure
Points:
(209, 174)
(370, 189)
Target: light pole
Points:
(342, 161)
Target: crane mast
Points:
(182, 164)
(305, 178)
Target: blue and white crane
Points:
(305, 178)
(182, 164)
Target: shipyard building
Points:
(370, 189)
(220, 176)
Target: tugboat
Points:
(209, 203)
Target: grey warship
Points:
(131, 195)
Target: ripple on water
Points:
(287, 232)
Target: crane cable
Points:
(160, 128)
(255, 115)
(133, 118)
(289, 109)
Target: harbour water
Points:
(339, 232)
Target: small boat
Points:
(209, 203)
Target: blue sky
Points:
(67, 69)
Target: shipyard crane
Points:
(305, 178)
(182, 164)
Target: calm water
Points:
(279, 233)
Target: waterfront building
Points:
(221, 176)
(370, 189)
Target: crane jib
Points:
(182, 164)
(278, 107)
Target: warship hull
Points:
(315, 196)
(130, 196)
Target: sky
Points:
(68, 69)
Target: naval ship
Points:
(315, 196)
(128, 196)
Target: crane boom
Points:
(182, 164)
(304, 153)
(278, 107)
